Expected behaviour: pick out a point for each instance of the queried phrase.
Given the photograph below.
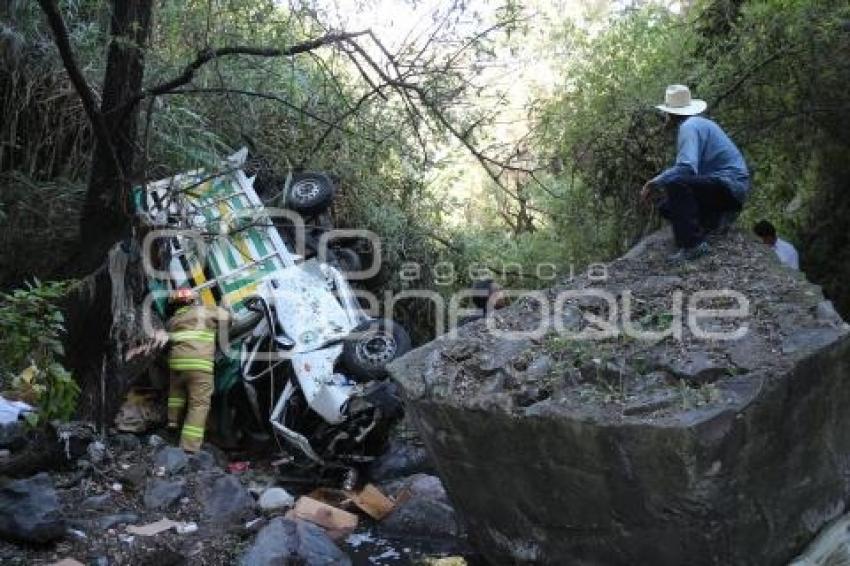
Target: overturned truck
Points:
(302, 361)
(648, 414)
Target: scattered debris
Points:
(186, 528)
(152, 529)
(372, 501)
(339, 523)
(238, 467)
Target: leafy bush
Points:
(31, 326)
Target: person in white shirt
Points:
(786, 252)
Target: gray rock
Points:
(162, 494)
(227, 500)
(809, 339)
(419, 485)
(134, 476)
(400, 459)
(275, 499)
(126, 442)
(156, 441)
(202, 460)
(97, 452)
(173, 459)
(744, 471)
(826, 313)
(29, 510)
(423, 516)
(695, 366)
(284, 541)
(747, 352)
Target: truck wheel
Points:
(371, 346)
(310, 193)
(348, 261)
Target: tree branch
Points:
(206, 55)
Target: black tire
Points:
(371, 346)
(347, 260)
(310, 193)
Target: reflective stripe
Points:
(176, 401)
(190, 364)
(192, 336)
(193, 431)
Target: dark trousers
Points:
(695, 206)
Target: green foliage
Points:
(774, 73)
(31, 327)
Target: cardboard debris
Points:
(372, 502)
(152, 529)
(337, 522)
(331, 496)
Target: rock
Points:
(97, 452)
(172, 459)
(808, 340)
(29, 510)
(227, 500)
(126, 442)
(695, 367)
(727, 467)
(202, 460)
(156, 441)
(275, 499)
(134, 476)
(13, 435)
(826, 313)
(285, 541)
(162, 494)
(425, 509)
(420, 485)
(401, 459)
(422, 516)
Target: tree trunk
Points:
(105, 214)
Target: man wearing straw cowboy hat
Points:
(709, 182)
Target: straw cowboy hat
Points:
(677, 100)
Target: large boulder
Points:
(624, 447)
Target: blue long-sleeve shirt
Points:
(704, 149)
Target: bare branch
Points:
(206, 55)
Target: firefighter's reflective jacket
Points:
(191, 334)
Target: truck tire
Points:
(371, 346)
(310, 193)
(348, 261)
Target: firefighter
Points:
(191, 336)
